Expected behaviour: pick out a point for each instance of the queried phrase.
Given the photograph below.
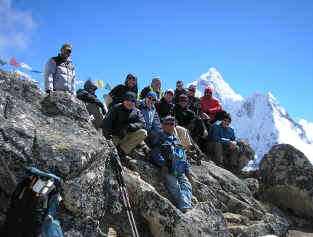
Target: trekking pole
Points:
(117, 167)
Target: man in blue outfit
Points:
(224, 144)
(167, 148)
(150, 115)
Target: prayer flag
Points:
(25, 66)
(2, 62)
(107, 86)
(99, 83)
(14, 62)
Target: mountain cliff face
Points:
(258, 119)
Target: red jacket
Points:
(210, 106)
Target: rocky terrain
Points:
(54, 134)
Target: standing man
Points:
(167, 154)
(224, 144)
(125, 124)
(60, 73)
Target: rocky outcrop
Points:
(287, 180)
(54, 134)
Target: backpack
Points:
(33, 204)
(175, 156)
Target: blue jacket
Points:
(160, 156)
(151, 117)
(223, 135)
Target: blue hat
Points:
(152, 94)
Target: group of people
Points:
(167, 123)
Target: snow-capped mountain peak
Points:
(258, 119)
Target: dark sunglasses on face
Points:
(68, 51)
(151, 98)
(172, 123)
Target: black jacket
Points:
(184, 117)
(146, 90)
(86, 97)
(118, 93)
(164, 108)
(119, 118)
(177, 94)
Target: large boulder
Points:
(287, 179)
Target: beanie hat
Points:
(183, 97)
(192, 88)
(89, 84)
(152, 94)
(131, 96)
(170, 91)
(156, 79)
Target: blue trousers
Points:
(180, 189)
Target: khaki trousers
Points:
(229, 158)
(131, 140)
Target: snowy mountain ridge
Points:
(258, 119)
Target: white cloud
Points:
(308, 127)
(16, 26)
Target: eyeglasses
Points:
(152, 99)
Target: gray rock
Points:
(287, 180)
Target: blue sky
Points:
(264, 46)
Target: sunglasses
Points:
(170, 123)
(151, 98)
(179, 86)
(68, 51)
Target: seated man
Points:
(150, 115)
(191, 94)
(168, 154)
(93, 104)
(224, 143)
(183, 115)
(210, 105)
(125, 124)
(117, 94)
(155, 86)
(179, 91)
(166, 106)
